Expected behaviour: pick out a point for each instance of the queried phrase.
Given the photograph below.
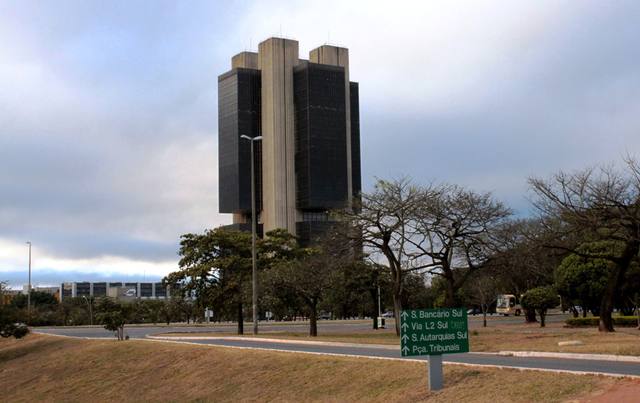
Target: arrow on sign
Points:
(404, 314)
(405, 350)
(405, 338)
(404, 326)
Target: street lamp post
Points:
(254, 271)
(90, 309)
(29, 285)
(379, 305)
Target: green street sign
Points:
(433, 331)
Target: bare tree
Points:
(383, 219)
(524, 262)
(458, 232)
(443, 230)
(483, 290)
(595, 204)
(309, 277)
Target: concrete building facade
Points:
(117, 290)
(308, 162)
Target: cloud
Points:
(108, 111)
(484, 95)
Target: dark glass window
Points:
(146, 289)
(356, 178)
(320, 131)
(161, 290)
(238, 114)
(83, 289)
(99, 289)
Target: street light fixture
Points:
(29, 285)
(254, 272)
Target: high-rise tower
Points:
(307, 113)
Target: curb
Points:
(572, 356)
(522, 354)
(463, 364)
(160, 339)
(268, 340)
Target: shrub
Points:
(540, 299)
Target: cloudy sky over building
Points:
(108, 110)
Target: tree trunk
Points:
(584, 311)
(530, 316)
(484, 315)
(313, 319)
(397, 309)
(543, 313)
(376, 308)
(450, 293)
(615, 281)
(240, 319)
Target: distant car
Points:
(324, 316)
(388, 314)
(474, 311)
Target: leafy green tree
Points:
(217, 266)
(114, 315)
(309, 278)
(540, 299)
(115, 322)
(38, 298)
(581, 279)
(168, 312)
(4, 287)
(72, 311)
(153, 309)
(596, 205)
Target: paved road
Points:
(605, 367)
(345, 326)
(599, 366)
(143, 331)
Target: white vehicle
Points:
(506, 305)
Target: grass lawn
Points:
(46, 368)
(519, 337)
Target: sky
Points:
(108, 110)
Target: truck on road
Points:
(507, 304)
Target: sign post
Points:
(208, 314)
(434, 332)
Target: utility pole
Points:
(29, 285)
(254, 220)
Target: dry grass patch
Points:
(45, 368)
(625, 341)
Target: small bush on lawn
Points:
(630, 321)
